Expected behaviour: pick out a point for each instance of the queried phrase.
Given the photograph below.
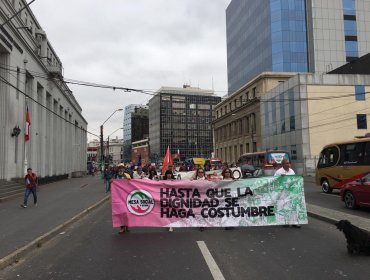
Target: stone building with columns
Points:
(31, 75)
(237, 122)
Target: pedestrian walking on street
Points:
(108, 175)
(30, 181)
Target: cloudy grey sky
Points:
(142, 44)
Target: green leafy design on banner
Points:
(286, 193)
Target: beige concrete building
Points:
(237, 125)
(312, 110)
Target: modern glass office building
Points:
(181, 118)
(127, 129)
(293, 36)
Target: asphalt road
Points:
(314, 195)
(92, 249)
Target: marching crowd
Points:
(149, 171)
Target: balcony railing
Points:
(55, 70)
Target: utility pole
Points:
(108, 155)
(101, 149)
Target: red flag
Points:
(167, 160)
(28, 124)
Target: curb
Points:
(38, 242)
(331, 216)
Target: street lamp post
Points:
(101, 140)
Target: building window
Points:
(291, 111)
(253, 122)
(293, 152)
(241, 149)
(350, 28)
(254, 92)
(360, 92)
(361, 121)
(351, 49)
(282, 113)
(349, 7)
(273, 114)
(266, 126)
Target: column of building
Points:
(4, 96)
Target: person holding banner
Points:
(199, 175)
(168, 175)
(285, 170)
(121, 174)
(152, 173)
(139, 173)
(227, 174)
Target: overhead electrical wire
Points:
(153, 93)
(13, 16)
(43, 106)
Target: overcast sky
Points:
(142, 44)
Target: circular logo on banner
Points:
(140, 202)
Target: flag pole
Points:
(25, 163)
(26, 136)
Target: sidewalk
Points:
(57, 203)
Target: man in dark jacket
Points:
(30, 180)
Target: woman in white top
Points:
(199, 175)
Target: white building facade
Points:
(31, 76)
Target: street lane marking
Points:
(212, 265)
